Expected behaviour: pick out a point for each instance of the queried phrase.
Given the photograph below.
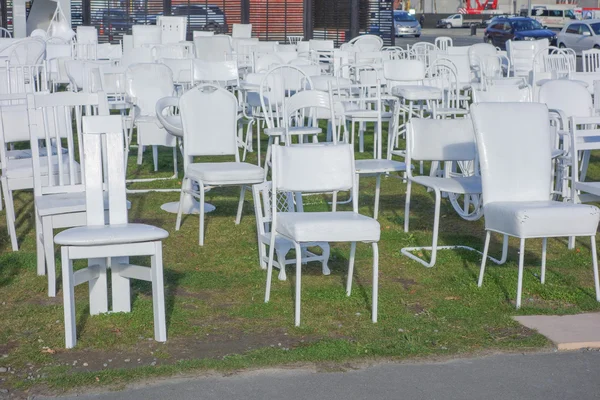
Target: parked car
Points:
(460, 21)
(202, 18)
(553, 15)
(516, 28)
(406, 24)
(580, 35)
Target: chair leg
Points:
(121, 289)
(68, 299)
(268, 156)
(375, 281)
(407, 205)
(201, 212)
(10, 215)
(158, 294)
(544, 247)
(298, 284)
(155, 157)
(39, 244)
(377, 191)
(175, 170)
(98, 287)
(238, 218)
(48, 239)
(281, 253)
(436, 227)
(270, 267)
(595, 266)
(180, 210)
(486, 248)
(326, 251)
(140, 154)
(520, 278)
(350, 269)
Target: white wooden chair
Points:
(209, 119)
(318, 169)
(516, 190)
(262, 196)
(59, 191)
(109, 243)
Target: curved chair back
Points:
(146, 84)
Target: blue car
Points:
(502, 29)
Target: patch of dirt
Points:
(405, 282)
(538, 302)
(149, 352)
(44, 300)
(200, 295)
(511, 333)
(415, 308)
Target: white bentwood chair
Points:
(209, 119)
(99, 242)
(516, 190)
(318, 168)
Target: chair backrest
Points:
(458, 50)
(104, 169)
(202, 33)
(78, 72)
(440, 140)
(313, 168)
(181, 68)
(590, 60)
(242, 31)
(514, 153)
(479, 50)
(461, 65)
(209, 119)
(262, 195)
(225, 73)
(213, 48)
(27, 51)
(503, 93)
(521, 54)
(147, 83)
(87, 35)
(366, 43)
(443, 42)
(318, 44)
(442, 73)
(571, 98)
(51, 124)
(308, 106)
(398, 72)
(172, 29)
(137, 55)
(264, 62)
(145, 35)
(173, 50)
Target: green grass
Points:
(217, 319)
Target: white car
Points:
(580, 35)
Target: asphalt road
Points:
(460, 37)
(544, 376)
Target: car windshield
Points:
(526, 25)
(596, 28)
(403, 17)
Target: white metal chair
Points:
(516, 191)
(450, 140)
(172, 29)
(584, 138)
(443, 42)
(521, 54)
(318, 169)
(143, 97)
(209, 118)
(29, 51)
(262, 196)
(366, 43)
(111, 244)
(590, 60)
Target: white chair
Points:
(516, 191)
(443, 42)
(209, 119)
(144, 96)
(261, 194)
(241, 31)
(223, 73)
(366, 43)
(318, 169)
(172, 29)
(109, 243)
(59, 191)
(29, 51)
(590, 60)
(521, 54)
(145, 35)
(503, 93)
(16, 82)
(442, 74)
(449, 140)
(584, 138)
(213, 48)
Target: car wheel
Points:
(417, 36)
(561, 45)
(448, 26)
(597, 47)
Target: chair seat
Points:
(306, 130)
(588, 187)
(377, 165)
(450, 111)
(109, 234)
(531, 219)
(417, 92)
(226, 173)
(344, 226)
(370, 114)
(460, 184)
(23, 167)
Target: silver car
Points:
(580, 35)
(405, 24)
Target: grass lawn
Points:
(217, 319)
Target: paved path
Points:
(544, 376)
